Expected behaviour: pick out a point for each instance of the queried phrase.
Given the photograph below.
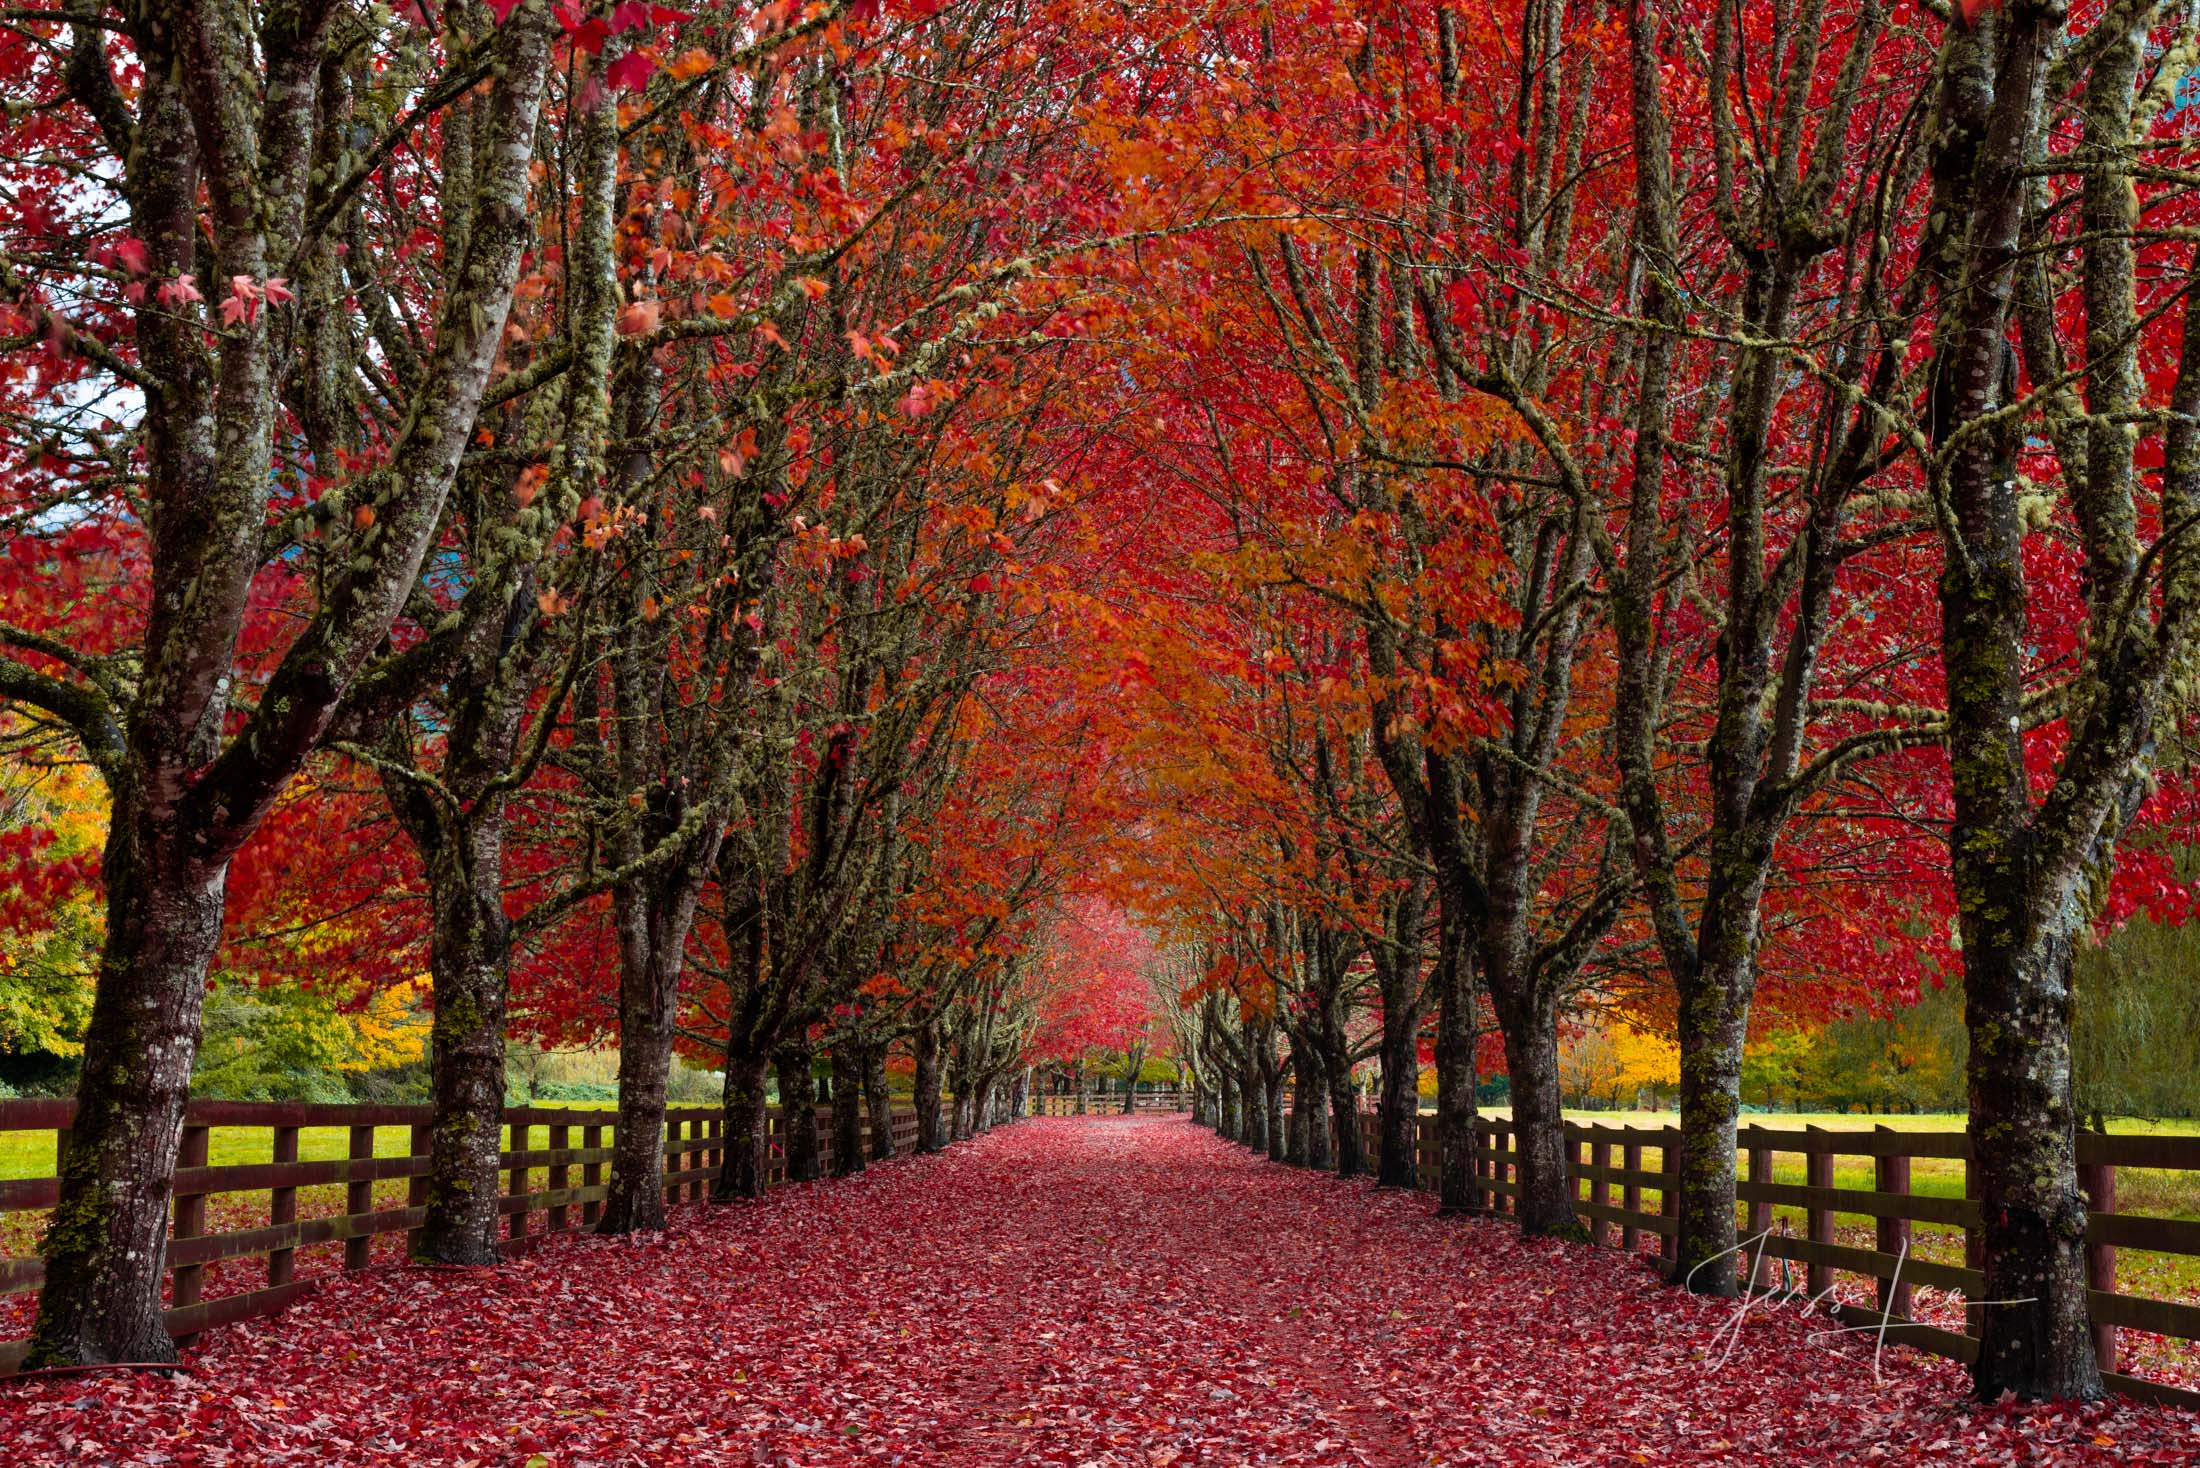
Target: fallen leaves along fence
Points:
(1623, 1190)
(247, 1238)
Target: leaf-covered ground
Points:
(1115, 1293)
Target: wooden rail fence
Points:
(1623, 1189)
(210, 1280)
(1103, 1103)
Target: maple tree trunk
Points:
(929, 1138)
(1272, 1089)
(1544, 1206)
(1294, 1141)
(1077, 1082)
(1714, 1024)
(745, 1173)
(190, 776)
(1455, 1109)
(2024, 1153)
(1020, 1098)
(1296, 1145)
(1313, 1105)
(108, 1240)
(2036, 1341)
(847, 1113)
(648, 1008)
(878, 1102)
(1252, 1110)
(470, 964)
(1344, 1111)
(2021, 862)
(1399, 1105)
(469, 958)
(798, 1108)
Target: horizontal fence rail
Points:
(247, 1238)
(1106, 1103)
(1855, 1214)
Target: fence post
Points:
(1974, 1251)
(591, 1175)
(1669, 1194)
(1891, 1175)
(282, 1208)
(522, 1132)
(2099, 1181)
(420, 1147)
(1630, 1193)
(1760, 1220)
(1600, 1189)
(560, 1176)
(359, 1198)
(1818, 1173)
(674, 1156)
(190, 1222)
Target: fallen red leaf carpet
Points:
(1113, 1293)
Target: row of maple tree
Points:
(1690, 512)
(773, 527)
(538, 494)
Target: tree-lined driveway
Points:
(1122, 1293)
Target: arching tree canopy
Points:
(1332, 538)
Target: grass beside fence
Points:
(31, 1154)
(2149, 1191)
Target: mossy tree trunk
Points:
(1714, 1024)
(748, 1127)
(222, 136)
(878, 1102)
(469, 962)
(847, 1104)
(109, 1237)
(2025, 863)
(1344, 1112)
(1455, 1108)
(1252, 1105)
(1544, 1205)
(1272, 1095)
(931, 1131)
(1767, 653)
(1296, 1148)
(1398, 1106)
(793, 1062)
